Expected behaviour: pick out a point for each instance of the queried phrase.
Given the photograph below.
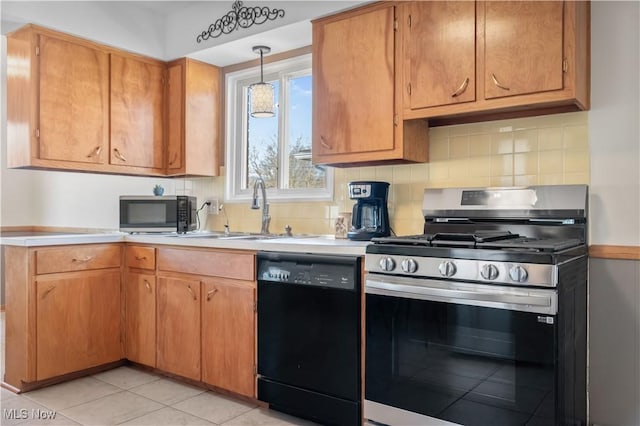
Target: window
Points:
(277, 149)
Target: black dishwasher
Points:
(309, 336)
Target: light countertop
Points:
(325, 244)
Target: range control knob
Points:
(409, 266)
(489, 272)
(518, 274)
(447, 268)
(387, 264)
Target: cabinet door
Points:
(440, 52)
(523, 47)
(201, 118)
(353, 73)
(175, 117)
(178, 326)
(193, 99)
(140, 318)
(77, 322)
(137, 107)
(228, 335)
(74, 101)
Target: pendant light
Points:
(262, 94)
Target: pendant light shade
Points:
(262, 95)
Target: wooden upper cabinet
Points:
(440, 51)
(57, 101)
(520, 57)
(523, 45)
(355, 119)
(193, 100)
(353, 75)
(77, 105)
(74, 101)
(137, 109)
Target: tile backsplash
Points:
(543, 150)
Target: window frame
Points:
(236, 147)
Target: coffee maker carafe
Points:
(370, 217)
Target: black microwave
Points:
(170, 213)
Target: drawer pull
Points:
(173, 159)
(147, 285)
(141, 257)
(210, 293)
(497, 83)
(192, 292)
(324, 144)
(84, 260)
(461, 89)
(47, 291)
(96, 152)
(118, 155)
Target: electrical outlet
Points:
(213, 207)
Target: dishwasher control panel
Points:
(339, 272)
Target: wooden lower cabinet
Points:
(77, 322)
(178, 326)
(140, 318)
(228, 335)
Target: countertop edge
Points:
(324, 245)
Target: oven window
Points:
(465, 364)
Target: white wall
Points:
(614, 123)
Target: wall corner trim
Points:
(615, 252)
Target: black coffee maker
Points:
(370, 217)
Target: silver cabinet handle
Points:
(83, 260)
(118, 155)
(497, 83)
(192, 292)
(210, 293)
(147, 285)
(461, 89)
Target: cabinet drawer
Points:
(227, 264)
(77, 258)
(141, 257)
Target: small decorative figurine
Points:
(158, 190)
(341, 227)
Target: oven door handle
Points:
(540, 301)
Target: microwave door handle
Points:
(542, 303)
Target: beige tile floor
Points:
(129, 396)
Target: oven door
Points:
(459, 352)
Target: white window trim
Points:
(236, 151)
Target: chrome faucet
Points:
(265, 206)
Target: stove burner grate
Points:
(493, 240)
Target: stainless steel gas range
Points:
(482, 318)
